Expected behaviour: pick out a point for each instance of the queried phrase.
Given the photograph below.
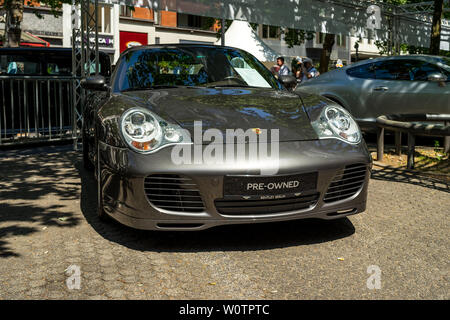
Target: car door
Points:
(401, 86)
(357, 92)
(390, 92)
(429, 96)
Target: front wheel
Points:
(86, 161)
(101, 214)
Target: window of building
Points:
(125, 11)
(270, 32)
(320, 37)
(104, 18)
(340, 40)
(194, 21)
(191, 21)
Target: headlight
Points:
(336, 122)
(145, 132)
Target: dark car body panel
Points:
(224, 108)
(122, 173)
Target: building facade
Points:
(365, 49)
(312, 48)
(48, 27)
(119, 28)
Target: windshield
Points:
(191, 66)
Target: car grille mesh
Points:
(250, 207)
(346, 183)
(173, 193)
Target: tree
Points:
(14, 16)
(325, 56)
(209, 22)
(436, 27)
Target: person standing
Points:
(309, 70)
(284, 70)
(297, 68)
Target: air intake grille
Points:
(346, 183)
(249, 207)
(173, 193)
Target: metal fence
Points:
(36, 108)
(414, 125)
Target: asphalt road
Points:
(48, 223)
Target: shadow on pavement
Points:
(225, 238)
(26, 182)
(405, 176)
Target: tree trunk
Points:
(436, 28)
(326, 52)
(14, 16)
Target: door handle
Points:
(380, 89)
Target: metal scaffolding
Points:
(85, 55)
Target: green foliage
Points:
(209, 22)
(382, 47)
(295, 37)
(422, 50)
(55, 6)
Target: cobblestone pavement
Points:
(48, 223)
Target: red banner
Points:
(132, 39)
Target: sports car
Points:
(409, 84)
(188, 137)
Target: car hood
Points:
(231, 108)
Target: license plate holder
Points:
(269, 187)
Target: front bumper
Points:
(123, 173)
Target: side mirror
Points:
(95, 83)
(437, 77)
(288, 81)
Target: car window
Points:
(422, 69)
(14, 64)
(57, 64)
(446, 72)
(444, 65)
(89, 68)
(410, 70)
(191, 66)
(364, 71)
(394, 70)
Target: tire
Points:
(86, 161)
(101, 214)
